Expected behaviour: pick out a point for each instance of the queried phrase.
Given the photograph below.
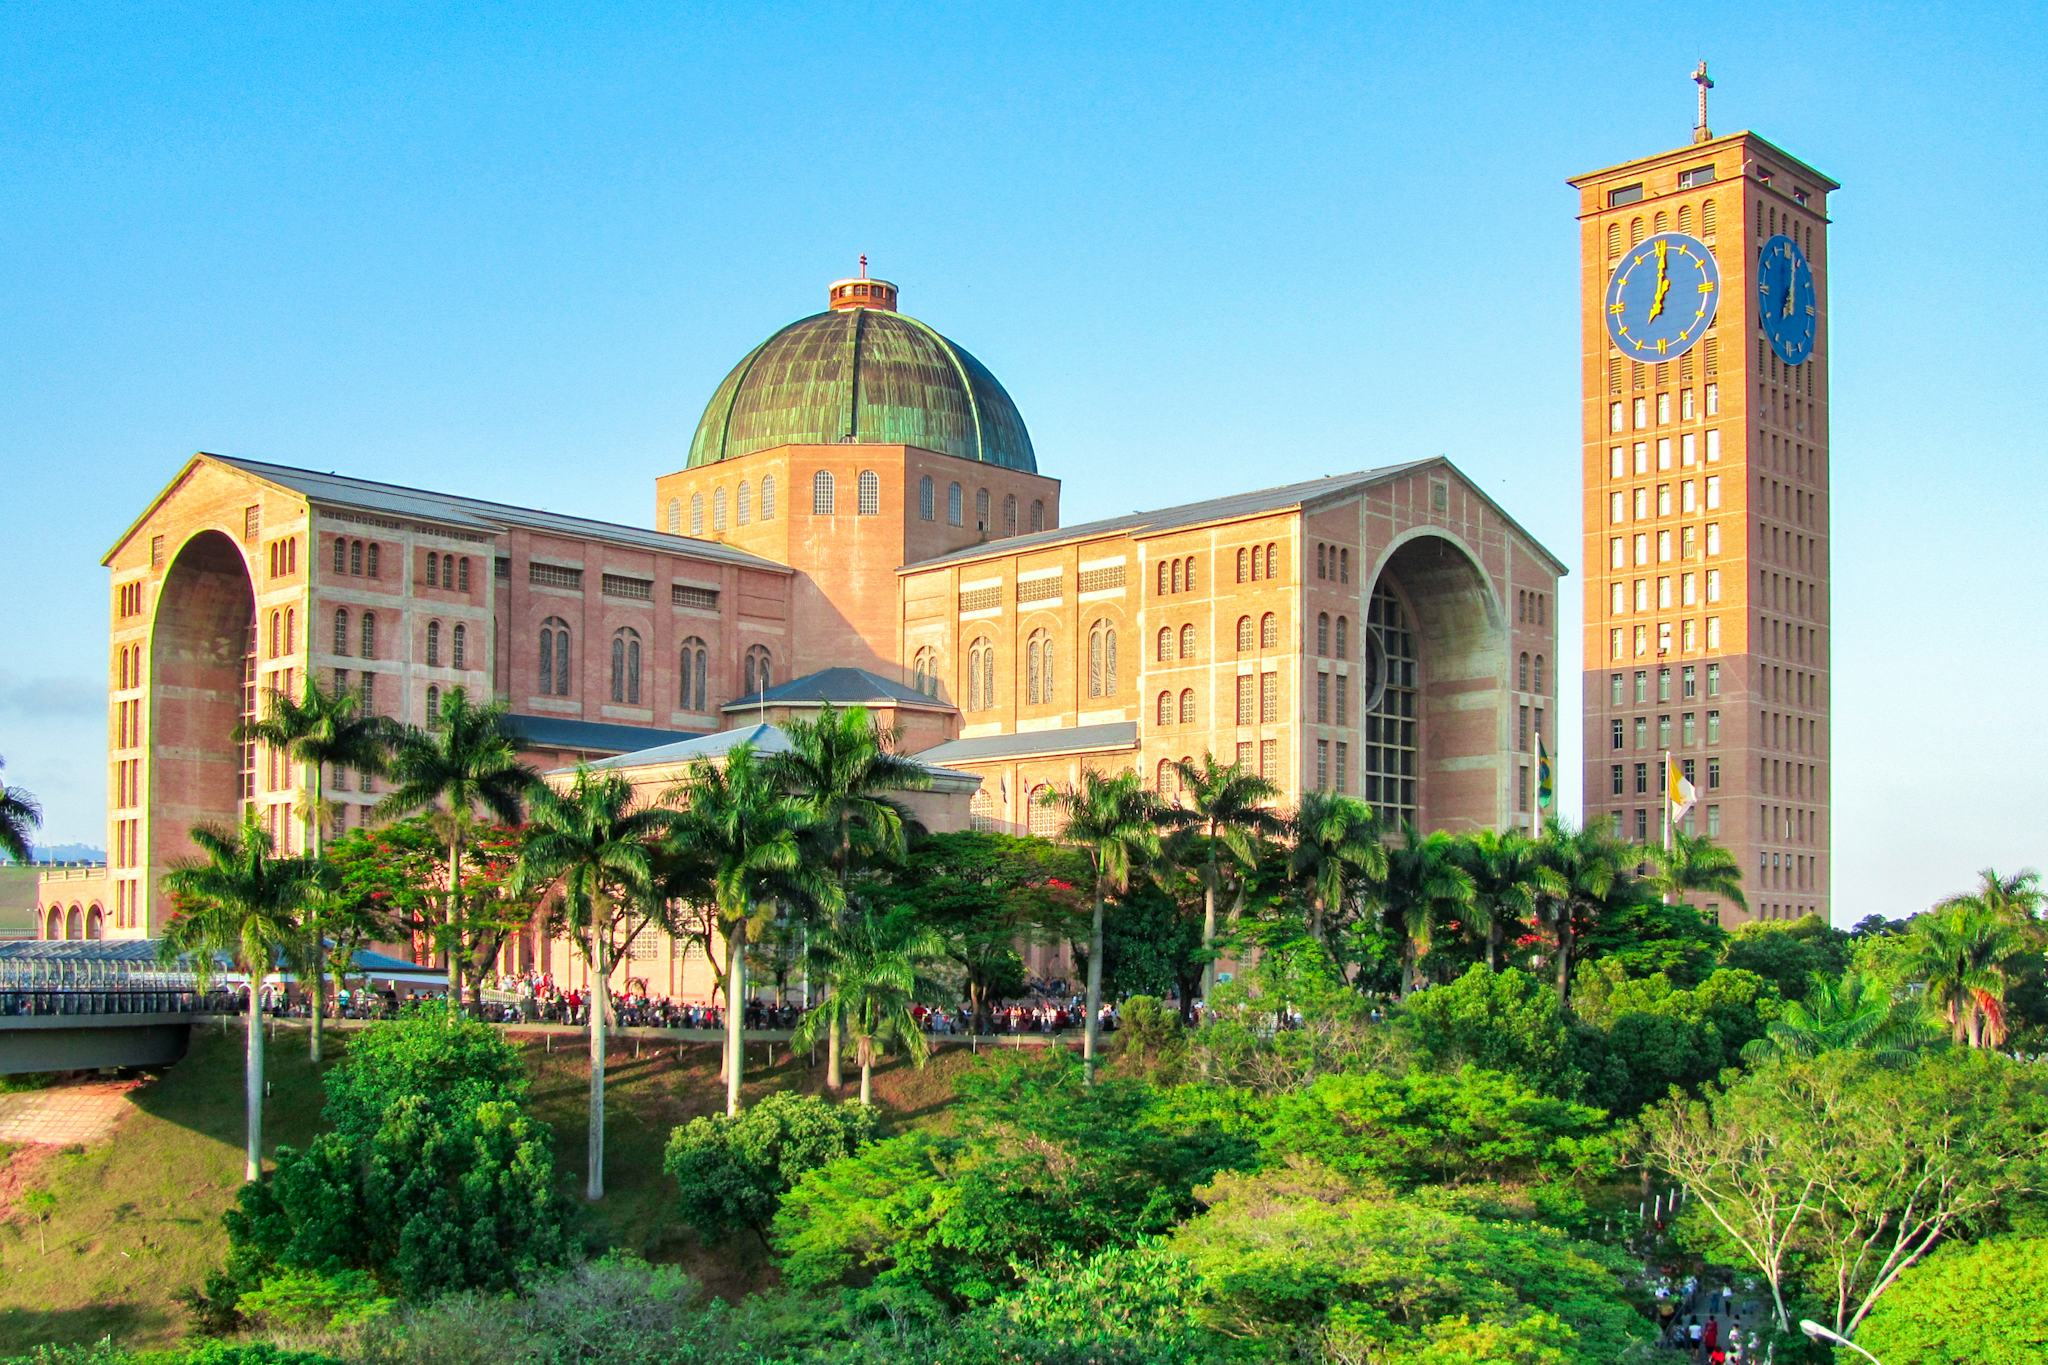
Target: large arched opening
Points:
(74, 923)
(53, 924)
(95, 923)
(1435, 688)
(203, 665)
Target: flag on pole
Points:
(1678, 790)
(1546, 791)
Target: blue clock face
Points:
(1662, 297)
(1785, 299)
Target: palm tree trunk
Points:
(1493, 942)
(314, 841)
(1564, 954)
(735, 1002)
(600, 988)
(1089, 1024)
(835, 1050)
(455, 921)
(1209, 928)
(252, 1078)
(867, 1070)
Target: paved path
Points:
(62, 1114)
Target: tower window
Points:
(824, 494)
(1626, 194)
(927, 500)
(870, 493)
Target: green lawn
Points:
(138, 1217)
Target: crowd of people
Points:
(1708, 1322)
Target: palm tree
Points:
(1963, 951)
(20, 812)
(842, 766)
(1592, 870)
(319, 731)
(1229, 806)
(466, 758)
(876, 971)
(1337, 844)
(1424, 884)
(592, 843)
(239, 901)
(1850, 1012)
(2014, 897)
(1115, 822)
(1509, 881)
(1695, 864)
(752, 834)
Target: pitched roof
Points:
(453, 509)
(763, 738)
(1116, 734)
(840, 687)
(566, 732)
(1258, 501)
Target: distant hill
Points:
(68, 853)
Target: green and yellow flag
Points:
(1546, 791)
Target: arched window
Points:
(1614, 239)
(463, 586)
(341, 629)
(433, 707)
(433, 570)
(1244, 633)
(1343, 637)
(340, 555)
(767, 497)
(675, 516)
(981, 509)
(981, 811)
(1037, 514)
(1522, 672)
(373, 560)
(1178, 569)
(1243, 557)
(1269, 631)
(1344, 566)
(718, 509)
(1187, 706)
(458, 652)
(433, 644)
(924, 672)
(1162, 578)
(1538, 685)
(1191, 573)
(369, 650)
(824, 494)
(745, 510)
(980, 675)
(276, 631)
(693, 674)
(954, 504)
(355, 558)
(760, 670)
(1102, 660)
(1163, 784)
(1322, 632)
(1165, 643)
(1039, 668)
(1187, 642)
(870, 493)
(1166, 708)
(626, 666)
(927, 500)
(696, 514)
(1272, 561)
(554, 657)
(1009, 514)
(1043, 820)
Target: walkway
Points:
(63, 1114)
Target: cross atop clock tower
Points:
(1704, 366)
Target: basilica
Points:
(860, 517)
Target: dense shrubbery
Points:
(732, 1171)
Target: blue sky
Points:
(509, 251)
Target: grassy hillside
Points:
(138, 1217)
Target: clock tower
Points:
(1704, 365)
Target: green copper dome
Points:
(858, 372)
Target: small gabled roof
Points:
(839, 687)
(1306, 494)
(566, 732)
(454, 509)
(1073, 739)
(763, 739)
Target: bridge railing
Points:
(39, 1002)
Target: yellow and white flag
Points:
(1677, 790)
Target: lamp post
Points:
(1820, 1333)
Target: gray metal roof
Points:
(1117, 734)
(764, 739)
(841, 687)
(476, 513)
(563, 732)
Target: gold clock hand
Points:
(1663, 283)
(1791, 288)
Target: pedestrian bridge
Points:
(77, 1006)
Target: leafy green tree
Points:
(2016, 897)
(1113, 821)
(1229, 807)
(1509, 880)
(1965, 953)
(1852, 1011)
(752, 836)
(245, 904)
(455, 1062)
(1644, 934)
(320, 730)
(1498, 1020)
(733, 1170)
(1652, 1034)
(1336, 850)
(843, 768)
(1788, 954)
(1981, 1303)
(465, 760)
(1123, 1303)
(20, 813)
(876, 967)
(1694, 865)
(593, 843)
(1428, 1128)
(1592, 868)
(1425, 885)
(1152, 945)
